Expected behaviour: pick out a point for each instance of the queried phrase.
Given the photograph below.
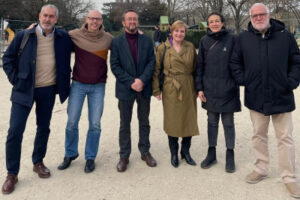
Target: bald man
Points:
(91, 45)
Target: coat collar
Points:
(56, 31)
(127, 49)
(172, 51)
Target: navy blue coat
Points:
(269, 68)
(123, 67)
(21, 72)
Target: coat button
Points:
(33, 61)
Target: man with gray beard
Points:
(37, 74)
(266, 60)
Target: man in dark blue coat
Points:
(41, 71)
(132, 62)
(266, 60)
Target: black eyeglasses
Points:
(261, 15)
(95, 18)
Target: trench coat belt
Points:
(175, 82)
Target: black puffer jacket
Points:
(269, 68)
(213, 74)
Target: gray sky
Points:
(99, 3)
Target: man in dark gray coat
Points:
(266, 60)
(132, 63)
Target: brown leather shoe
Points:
(293, 189)
(150, 161)
(122, 164)
(9, 184)
(41, 170)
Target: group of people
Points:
(265, 59)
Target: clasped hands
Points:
(137, 85)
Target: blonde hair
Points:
(178, 24)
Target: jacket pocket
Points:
(292, 84)
(23, 83)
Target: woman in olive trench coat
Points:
(179, 94)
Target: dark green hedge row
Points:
(192, 35)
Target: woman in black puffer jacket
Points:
(216, 88)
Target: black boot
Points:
(174, 160)
(189, 160)
(185, 150)
(230, 166)
(173, 144)
(210, 158)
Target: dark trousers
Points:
(185, 145)
(213, 126)
(44, 99)
(143, 111)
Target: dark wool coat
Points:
(269, 68)
(213, 75)
(21, 71)
(123, 67)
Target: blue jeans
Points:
(95, 95)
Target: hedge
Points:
(193, 36)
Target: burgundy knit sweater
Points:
(91, 49)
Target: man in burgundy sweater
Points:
(91, 45)
(132, 62)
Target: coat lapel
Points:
(126, 48)
(140, 47)
(178, 56)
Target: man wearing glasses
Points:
(266, 60)
(91, 45)
(132, 62)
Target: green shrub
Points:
(194, 37)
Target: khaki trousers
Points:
(283, 127)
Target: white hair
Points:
(94, 11)
(51, 6)
(259, 4)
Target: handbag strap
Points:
(163, 58)
(210, 48)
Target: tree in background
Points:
(239, 10)
(69, 10)
(149, 12)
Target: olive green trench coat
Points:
(179, 94)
